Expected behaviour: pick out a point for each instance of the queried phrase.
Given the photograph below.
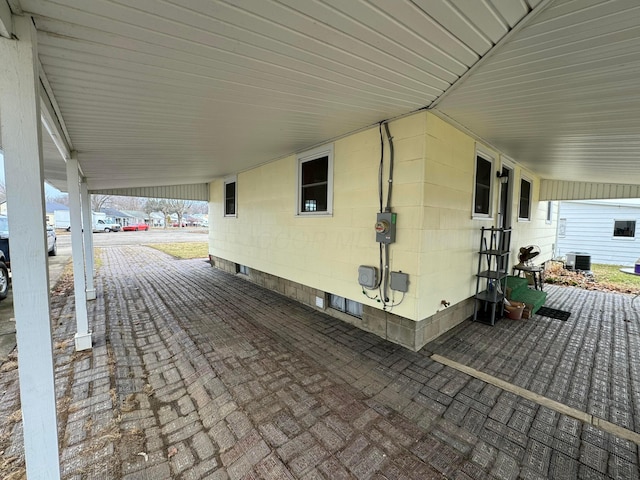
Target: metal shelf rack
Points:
(493, 268)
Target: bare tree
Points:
(100, 201)
(180, 207)
(129, 203)
(61, 198)
(200, 207)
(159, 205)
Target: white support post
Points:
(87, 230)
(20, 131)
(83, 335)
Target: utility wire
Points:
(381, 168)
(391, 155)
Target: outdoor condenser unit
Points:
(578, 261)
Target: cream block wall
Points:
(451, 237)
(535, 231)
(437, 238)
(324, 252)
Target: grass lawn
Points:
(183, 250)
(603, 277)
(612, 274)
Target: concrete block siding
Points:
(303, 257)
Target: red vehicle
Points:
(135, 227)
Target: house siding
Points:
(437, 238)
(589, 229)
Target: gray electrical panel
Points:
(386, 227)
(368, 276)
(399, 282)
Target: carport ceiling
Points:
(178, 92)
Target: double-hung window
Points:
(231, 197)
(524, 207)
(482, 187)
(315, 182)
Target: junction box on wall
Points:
(368, 276)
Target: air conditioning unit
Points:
(578, 261)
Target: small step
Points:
(516, 283)
(530, 297)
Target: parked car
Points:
(135, 227)
(4, 257)
(52, 241)
(104, 225)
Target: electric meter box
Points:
(386, 227)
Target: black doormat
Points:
(553, 313)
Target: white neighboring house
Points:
(156, 219)
(135, 217)
(605, 229)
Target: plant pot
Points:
(514, 311)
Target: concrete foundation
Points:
(400, 330)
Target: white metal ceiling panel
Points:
(510, 11)
(454, 20)
(563, 95)
(566, 190)
(487, 19)
(196, 191)
(180, 92)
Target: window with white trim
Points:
(524, 206)
(315, 182)
(482, 186)
(624, 228)
(231, 197)
(345, 305)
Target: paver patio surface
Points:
(196, 373)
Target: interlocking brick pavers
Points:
(199, 374)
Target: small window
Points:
(524, 208)
(242, 269)
(549, 218)
(482, 192)
(230, 198)
(345, 305)
(624, 228)
(315, 182)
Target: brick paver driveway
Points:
(200, 374)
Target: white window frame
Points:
(310, 155)
(227, 181)
(492, 161)
(530, 182)
(622, 238)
